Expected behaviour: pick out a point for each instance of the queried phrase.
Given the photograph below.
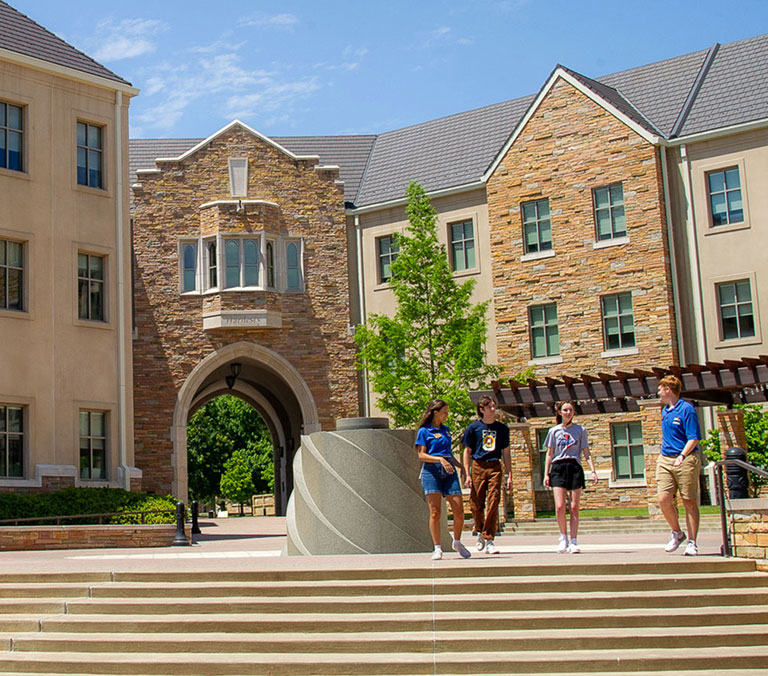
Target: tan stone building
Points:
(66, 390)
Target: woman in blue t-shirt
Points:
(439, 476)
(565, 444)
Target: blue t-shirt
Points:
(567, 442)
(437, 440)
(679, 425)
(487, 441)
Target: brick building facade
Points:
(240, 259)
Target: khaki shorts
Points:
(670, 479)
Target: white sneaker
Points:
(562, 546)
(490, 548)
(675, 540)
(437, 555)
(459, 547)
(573, 548)
(480, 543)
(691, 549)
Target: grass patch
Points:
(626, 511)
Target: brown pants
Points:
(485, 495)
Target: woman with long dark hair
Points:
(563, 472)
(439, 477)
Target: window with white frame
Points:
(737, 318)
(90, 287)
(11, 136)
(241, 262)
(462, 245)
(188, 266)
(211, 264)
(90, 155)
(11, 441)
(545, 340)
(618, 321)
(541, 437)
(628, 456)
(725, 203)
(608, 202)
(11, 275)
(387, 250)
(293, 265)
(537, 230)
(93, 445)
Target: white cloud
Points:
(125, 40)
(282, 21)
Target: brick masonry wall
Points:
(170, 339)
(23, 538)
(750, 534)
(569, 147)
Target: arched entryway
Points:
(268, 383)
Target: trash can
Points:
(738, 479)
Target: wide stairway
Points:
(483, 616)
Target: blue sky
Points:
(358, 67)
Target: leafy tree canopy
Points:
(236, 481)
(214, 432)
(434, 345)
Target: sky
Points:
(331, 67)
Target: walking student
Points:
(563, 472)
(486, 442)
(439, 476)
(678, 465)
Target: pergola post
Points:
(730, 424)
(522, 451)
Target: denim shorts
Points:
(434, 479)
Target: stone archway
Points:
(270, 384)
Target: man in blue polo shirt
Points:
(678, 465)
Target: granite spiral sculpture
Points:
(357, 491)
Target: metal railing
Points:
(725, 549)
(67, 517)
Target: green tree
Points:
(756, 430)
(434, 345)
(214, 431)
(237, 480)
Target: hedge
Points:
(74, 501)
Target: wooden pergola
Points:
(711, 384)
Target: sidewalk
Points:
(256, 543)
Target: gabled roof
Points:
(20, 34)
(350, 153)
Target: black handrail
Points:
(57, 519)
(725, 550)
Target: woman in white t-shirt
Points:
(563, 472)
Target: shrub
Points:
(76, 501)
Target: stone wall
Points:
(18, 538)
(749, 527)
(170, 340)
(569, 147)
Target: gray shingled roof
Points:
(443, 153)
(19, 33)
(458, 149)
(735, 89)
(349, 153)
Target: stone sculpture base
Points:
(357, 491)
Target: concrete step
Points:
(679, 597)
(710, 523)
(622, 660)
(9, 590)
(489, 641)
(425, 585)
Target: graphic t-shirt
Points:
(567, 442)
(679, 425)
(487, 441)
(436, 440)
